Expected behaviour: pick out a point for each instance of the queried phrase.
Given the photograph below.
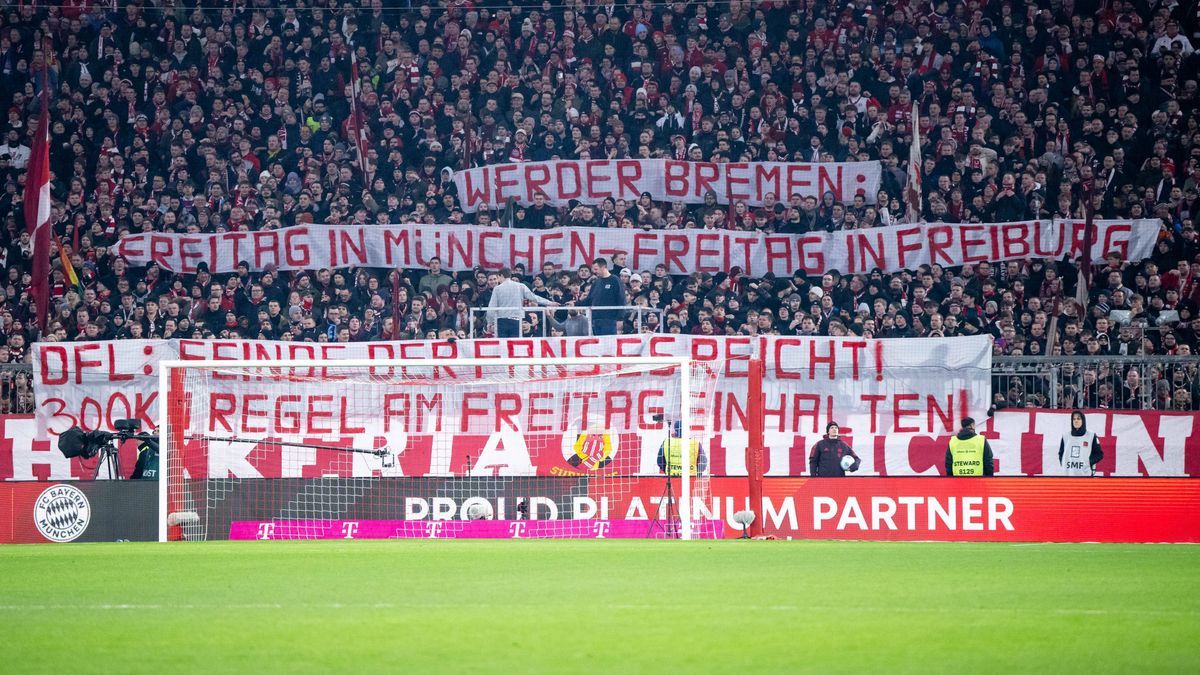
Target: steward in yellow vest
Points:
(969, 453)
(670, 455)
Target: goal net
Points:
(485, 448)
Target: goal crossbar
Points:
(166, 367)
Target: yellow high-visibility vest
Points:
(966, 457)
(674, 455)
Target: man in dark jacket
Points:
(825, 460)
(1075, 445)
(606, 291)
(968, 453)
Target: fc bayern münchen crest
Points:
(61, 513)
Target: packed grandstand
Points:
(184, 118)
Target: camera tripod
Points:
(671, 528)
(110, 457)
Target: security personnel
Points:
(1079, 450)
(969, 453)
(670, 454)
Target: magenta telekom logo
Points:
(265, 531)
(349, 529)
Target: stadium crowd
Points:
(180, 116)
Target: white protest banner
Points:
(464, 247)
(876, 388)
(593, 181)
(1025, 442)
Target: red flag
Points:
(357, 130)
(912, 192)
(37, 214)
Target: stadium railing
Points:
(1116, 382)
(480, 319)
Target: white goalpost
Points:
(435, 448)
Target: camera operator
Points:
(76, 442)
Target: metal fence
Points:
(16, 388)
(1113, 382)
(572, 321)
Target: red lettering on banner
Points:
(130, 248)
(470, 410)
(709, 259)
(829, 182)
(161, 250)
(582, 251)
(596, 171)
(642, 250)
(295, 248)
(537, 176)
(1014, 240)
(628, 173)
(287, 420)
(235, 239)
(481, 194)
(188, 250)
(459, 248)
(798, 179)
(945, 415)
(484, 261)
(502, 182)
(809, 261)
(766, 180)
(344, 419)
(706, 175)
(562, 170)
(815, 359)
(59, 354)
(220, 407)
(873, 401)
(266, 249)
(675, 179)
(1116, 239)
(315, 413)
(521, 255)
(547, 250)
(535, 412)
(899, 413)
(903, 246)
(969, 244)
(941, 237)
(743, 256)
(113, 375)
(249, 412)
(82, 364)
(422, 259)
(675, 247)
(732, 180)
(877, 253)
(353, 248)
(779, 250)
(397, 250)
(1056, 250)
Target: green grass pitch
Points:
(601, 606)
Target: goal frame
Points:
(167, 367)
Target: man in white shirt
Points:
(505, 309)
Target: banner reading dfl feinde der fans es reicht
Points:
(893, 389)
(594, 180)
(464, 247)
